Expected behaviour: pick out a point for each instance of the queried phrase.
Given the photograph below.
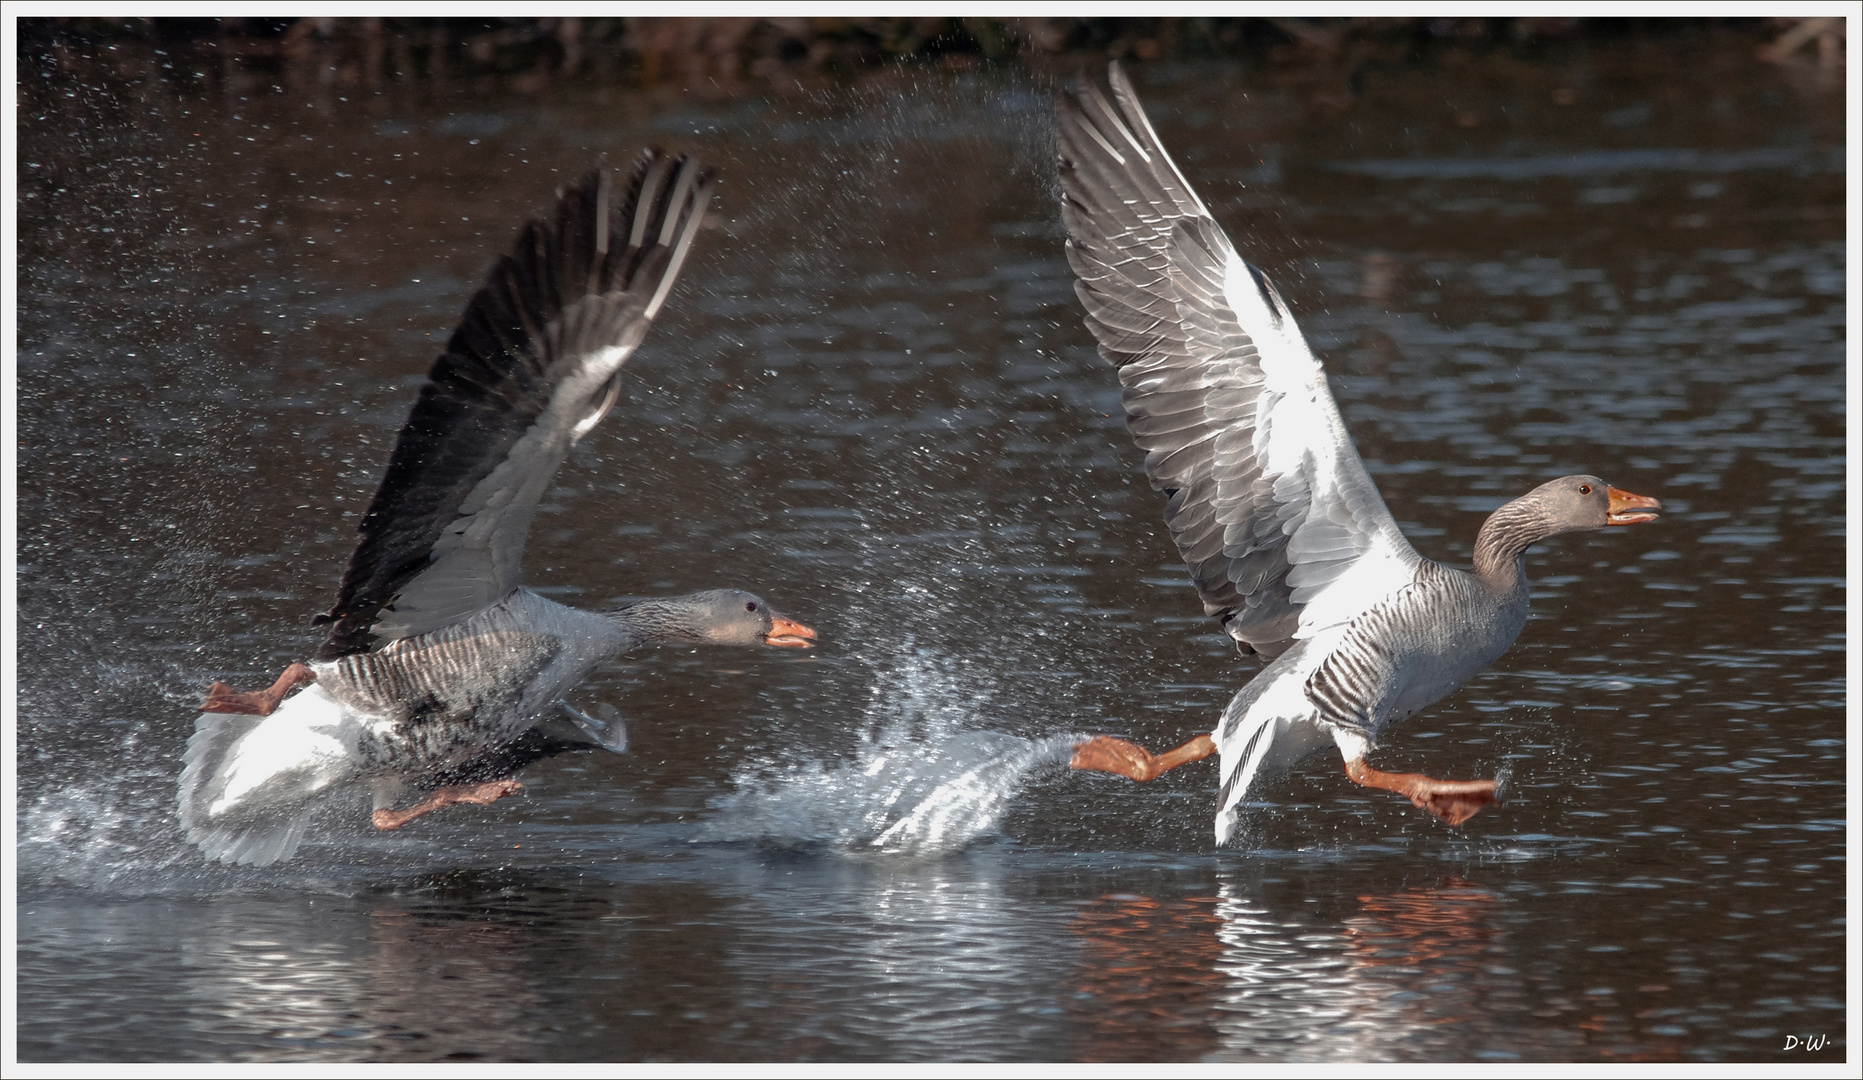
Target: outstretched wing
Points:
(534, 364)
(1270, 506)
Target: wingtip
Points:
(602, 236)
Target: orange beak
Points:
(1628, 509)
(788, 634)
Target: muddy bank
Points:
(731, 56)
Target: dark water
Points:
(871, 399)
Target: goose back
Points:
(439, 699)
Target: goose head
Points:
(735, 617)
(1569, 504)
(1582, 503)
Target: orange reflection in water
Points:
(1185, 979)
(1147, 981)
(1401, 977)
(1441, 943)
(1421, 973)
(1443, 934)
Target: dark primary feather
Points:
(587, 279)
(1151, 265)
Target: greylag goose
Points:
(441, 673)
(1285, 537)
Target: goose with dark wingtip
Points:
(1285, 537)
(441, 674)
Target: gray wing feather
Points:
(533, 366)
(1266, 517)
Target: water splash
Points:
(920, 782)
(98, 835)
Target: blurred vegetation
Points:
(734, 55)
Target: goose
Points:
(1286, 538)
(441, 673)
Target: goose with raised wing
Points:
(1287, 541)
(441, 674)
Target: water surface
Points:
(871, 400)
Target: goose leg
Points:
(222, 698)
(489, 792)
(1103, 753)
(1454, 801)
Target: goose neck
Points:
(659, 620)
(1501, 546)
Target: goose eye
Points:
(750, 607)
(1584, 489)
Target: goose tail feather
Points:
(207, 766)
(1256, 740)
(247, 782)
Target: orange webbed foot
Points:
(480, 794)
(1103, 753)
(1452, 801)
(222, 698)
(1457, 805)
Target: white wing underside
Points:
(1345, 554)
(1222, 392)
(478, 560)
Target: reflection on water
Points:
(1232, 977)
(1422, 973)
(397, 988)
(1149, 978)
(1403, 976)
(942, 955)
(462, 984)
(805, 958)
(1438, 936)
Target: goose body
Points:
(1287, 541)
(441, 673)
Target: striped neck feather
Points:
(1504, 539)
